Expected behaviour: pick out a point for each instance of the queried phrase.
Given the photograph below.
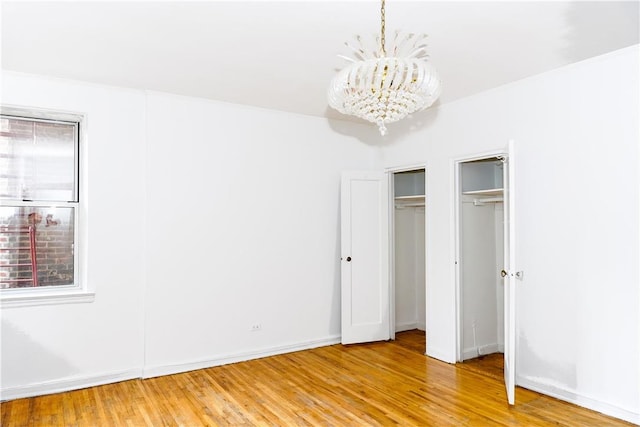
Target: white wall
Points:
(52, 347)
(203, 219)
(409, 268)
(576, 134)
(478, 254)
(243, 229)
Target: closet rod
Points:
(480, 202)
(410, 205)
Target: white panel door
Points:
(365, 259)
(509, 275)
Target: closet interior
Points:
(481, 256)
(409, 250)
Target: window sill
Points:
(34, 298)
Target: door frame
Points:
(456, 171)
(390, 171)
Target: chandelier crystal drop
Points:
(384, 89)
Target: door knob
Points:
(503, 273)
(348, 259)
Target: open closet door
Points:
(509, 275)
(364, 257)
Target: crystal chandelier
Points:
(384, 89)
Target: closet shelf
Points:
(488, 192)
(409, 201)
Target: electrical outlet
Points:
(256, 327)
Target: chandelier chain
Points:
(382, 29)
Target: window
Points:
(39, 203)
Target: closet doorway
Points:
(408, 260)
(481, 219)
(485, 238)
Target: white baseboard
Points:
(159, 370)
(577, 399)
(67, 384)
(407, 326)
(473, 352)
(80, 382)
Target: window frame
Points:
(80, 290)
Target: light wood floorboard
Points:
(377, 384)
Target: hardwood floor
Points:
(377, 384)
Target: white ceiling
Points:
(282, 55)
